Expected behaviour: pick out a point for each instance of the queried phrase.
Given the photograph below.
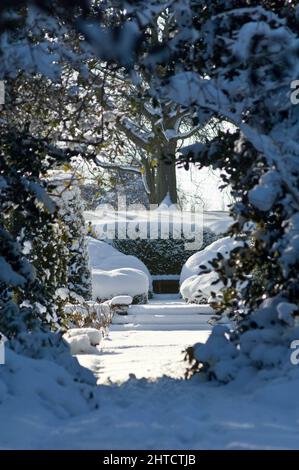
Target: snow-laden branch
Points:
(127, 127)
(172, 135)
(205, 93)
(115, 166)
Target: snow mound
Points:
(121, 260)
(121, 300)
(35, 391)
(196, 285)
(198, 289)
(99, 251)
(192, 266)
(104, 256)
(124, 281)
(83, 340)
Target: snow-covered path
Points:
(157, 409)
(161, 411)
(149, 342)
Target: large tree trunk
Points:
(166, 180)
(162, 180)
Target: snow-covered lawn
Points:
(174, 414)
(157, 409)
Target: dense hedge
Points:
(162, 256)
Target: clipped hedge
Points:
(162, 256)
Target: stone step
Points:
(159, 318)
(161, 327)
(174, 308)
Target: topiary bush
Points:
(162, 256)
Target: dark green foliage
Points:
(31, 238)
(162, 256)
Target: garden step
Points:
(168, 319)
(160, 327)
(172, 308)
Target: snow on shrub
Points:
(198, 289)
(264, 194)
(89, 314)
(83, 340)
(261, 342)
(121, 300)
(66, 193)
(197, 284)
(51, 347)
(99, 251)
(193, 264)
(123, 281)
(104, 256)
(41, 388)
(97, 315)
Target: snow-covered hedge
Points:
(104, 256)
(197, 284)
(198, 288)
(157, 237)
(123, 281)
(114, 273)
(162, 256)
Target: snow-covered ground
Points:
(149, 341)
(154, 410)
(175, 414)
